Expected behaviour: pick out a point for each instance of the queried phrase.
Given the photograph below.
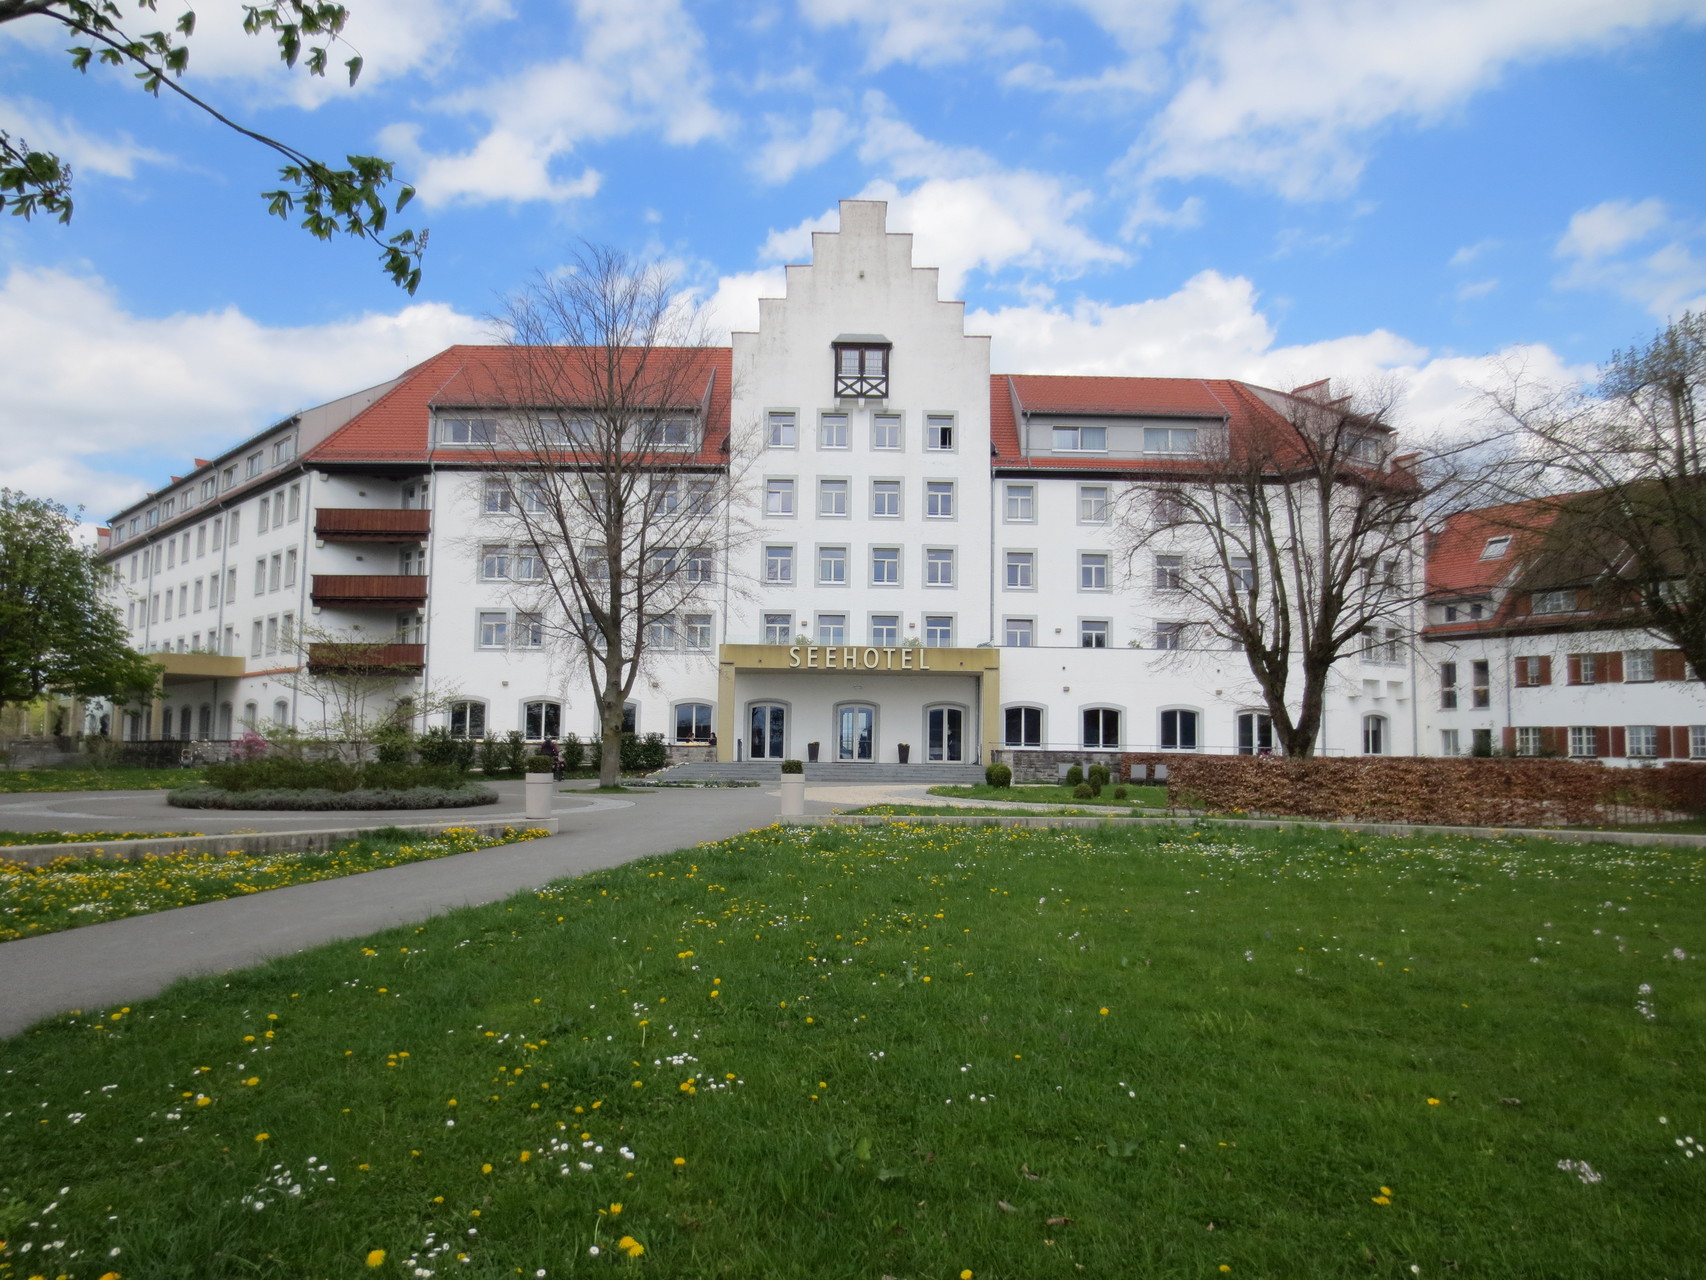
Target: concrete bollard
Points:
(793, 795)
(539, 796)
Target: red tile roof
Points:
(1455, 566)
(396, 427)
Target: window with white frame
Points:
(886, 431)
(781, 430)
(1563, 601)
(701, 566)
(494, 630)
(1696, 741)
(295, 501)
(939, 499)
(468, 430)
(1092, 571)
(1093, 633)
(494, 564)
(1092, 504)
(1254, 733)
(290, 567)
(1448, 688)
(265, 506)
(1022, 726)
(1169, 573)
(832, 628)
(938, 631)
(778, 497)
(253, 466)
(529, 631)
(885, 499)
(1080, 439)
(1480, 677)
(885, 629)
(832, 566)
(1020, 504)
(1101, 727)
(693, 722)
(1170, 440)
(260, 575)
(832, 499)
(696, 631)
(467, 719)
(1021, 569)
(1495, 548)
(1241, 572)
(673, 433)
(778, 628)
(527, 565)
(779, 565)
(1169, 635)
(832, 431)
(1641, 741)
(1584, 740)
(1637, 665)
(885, 566)
(939, 566)
(1449, 744)
(660, 632)
(272, 635)
(541, 719)
(1374, 736)
(255, 641)
(498, 498)
(939, 432)
(1019, 633)
(1528, 742)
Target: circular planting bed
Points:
(320, 798)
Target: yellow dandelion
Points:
(252, 1081)
(1433, 1102)
(679, 1161)
(485, 1168)
(526, 1156)
(1104, 1011)
(262, 1137)
(376, 1258)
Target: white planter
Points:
(539, 795)
(793, 795)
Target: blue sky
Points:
(1276, 191)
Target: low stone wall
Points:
(1047, 766)
(691, 753)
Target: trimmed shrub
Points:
(538, 764)
(493, 758)
(1120, 793)
(1082, 791)
(997, 775)
(1074, 776)
(653, 753)
(639, 755)
(275, 773)
(573, 751)
(394, 744)
(1098, 777)
(313, 798)
(793, 766)
(436, 746)
(515, 751)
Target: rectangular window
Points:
(261, 575)
(779, 564)
(939, 499)
(938, 567)
(939, 431)
(832, 431)
(498, 497)
(832, 566)
(1637, 666)
(673, 433)
(1092, 571)
(1532, 672)
(701, 567)
(1169, 635)
(1169, 573)
(494, 564)
(1480, 681)
(1093, 633)
(231, 586)
(1696, 741)
(468, 431)
(697, 631)
(1584, 741)
(832, 498)
(295, 501)
(213, 591)
(861, 371)
(781, 433)
(284, 450)
(1170, 440)
(885, 431)
(287, 631)
(1092, 504)
(885, 499)
(660, 632)
(235, 527)
(1241, 572)
(1553, 602)
(885, 629)
(169, 597)
(1020, 633)
(527, 565)
(1481, 742)
(1021, 570)
(885, 566)
(1642, 740)
(778, 628)
(1178, 731)
(275, 571)
(1023, 726)
(1448, 743)
(1101, 727)
(277, 510)
(253, 467)
(272, 636)
(1448, 689)
(1527, 741)
(1021, 504)
(200, 541)
(494, 630)
(778, 497)
(172, 554)
(832, 628)
(255, 638)
(1080, 439)
(1587, 668)
(938, 631)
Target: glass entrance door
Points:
(944, 734)
(768, 737)
(855, 737)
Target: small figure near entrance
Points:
(551, 749)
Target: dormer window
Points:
(468, 431)
(1080, 439)
(862, 366)
(1496, 547)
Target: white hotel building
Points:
(931, 560)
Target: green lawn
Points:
(14, 781)
(917, 1052)
(85, 888)
(84, 837)
(1037, 793)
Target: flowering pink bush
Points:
(251, 746)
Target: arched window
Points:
(1374, 741)
(204, 721)
(186, 721)
(1101, 727)
(225, 720)
(542, 719)
(1255, 733)
(251, 715)
(1022, 726)
(1179, 729)
(693, 722)
(280, 711)
(467, 719)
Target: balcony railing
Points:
(369, 590)
(371, 524)
(367, 659)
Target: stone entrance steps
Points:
(828, 772)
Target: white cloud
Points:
(1291, 96)
(924, 33)
(791, 149)
(1639, 249)
(1470, 290)
(110, 392)
(1471, 252)
(733, 306)
(639, 66)
(45, 130)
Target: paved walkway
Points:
(130, 960)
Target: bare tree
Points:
(1616, 475)
(610, 480)
(362, 687)
(1296, 538)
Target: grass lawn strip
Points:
(79, 890)
(852, 1052)
(27, 780)
(85, 837)
(1043, 793)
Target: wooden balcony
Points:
(367, 659)
(369, 590)
(371, 524)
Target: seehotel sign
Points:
(904, 659)
(842, 658)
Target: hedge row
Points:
(281, 773)
(1483, 793)
(322, 799)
